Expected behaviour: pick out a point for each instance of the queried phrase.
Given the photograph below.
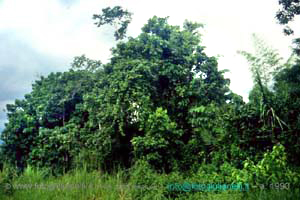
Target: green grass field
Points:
(122, 184)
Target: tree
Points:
(115, 16)
(261, 124)
(42, 126)
(164, 67)
(19, 134)
(287, 93)
(137, 106)
(266, 63)
(272, 112)
(289, 9)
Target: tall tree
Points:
(158, 75)
(265, 63)
(265, 124)
(138, 105)
(287, 93)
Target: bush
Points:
(270, 170)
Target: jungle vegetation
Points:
(162, 111)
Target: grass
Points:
(136, 183)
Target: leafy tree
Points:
(115, 16)
(50, 114)
(265, 64)
(289, 9)
(260, 124)
(212, 130)
(164, 67)
(19, 134)
(139, 105)
(287, 95)
(270, 118)
(159, 144)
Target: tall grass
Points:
(77, 184)
(140, 182)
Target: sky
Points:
(38, 37)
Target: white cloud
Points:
(59, 31)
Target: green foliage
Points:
(147, 73)
(268, 99)
(53, 150)
(114, 16)
(287, 95)
(158, 145)
(7, 175)
(149, 181)
(85, 64)
(271, 169)
(43, 127)
(289, 9)
(160, 105)
(140, 182)
(209, 123)
(209, 130)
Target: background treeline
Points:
(162, 106)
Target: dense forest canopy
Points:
(160, 99)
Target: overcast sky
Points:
(42, 36)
